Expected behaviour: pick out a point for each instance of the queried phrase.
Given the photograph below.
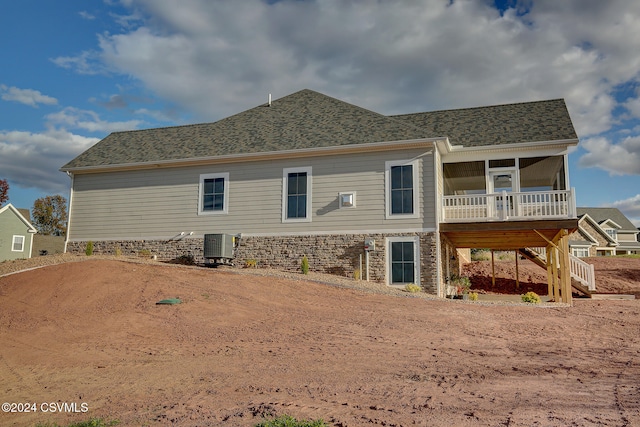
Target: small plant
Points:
(461, 283)
(473, 296)
(356, 274)
(412, 288)
(144, 253)
(288, 421)
(250, 263)
(118, 252)
(531, 297)
(89, 249)
(304, 265)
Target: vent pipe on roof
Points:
(269, 100)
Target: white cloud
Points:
(84, 63)
(29, 97)
(86, 15)
(630, 207)
(219, 58)
(76, 118)
(618, 159)
(32, 160)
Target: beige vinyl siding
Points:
(627, 237)
(161, 203)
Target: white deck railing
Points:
(583, 272)
(507, 206)
(580, 270)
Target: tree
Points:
(4, 191)
(50, 215)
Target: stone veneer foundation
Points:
(335, 254)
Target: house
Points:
(308, 174)
(602, 232)
(16, 233)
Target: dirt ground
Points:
(614, 275)
(90, 335)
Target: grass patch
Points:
(93, 422)
(629, 256)
(288, 421)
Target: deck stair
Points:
(582, 273)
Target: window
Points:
(296, 201)
(401, 189)
(214, 193)
(403, 260)
(580, 252)
(18, 244)
(612, 232)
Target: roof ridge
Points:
(481, 107)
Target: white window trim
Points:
(575, 250)
(13, 243)
(416, 257)
(285, 180)
(225, 209)
(387, 189)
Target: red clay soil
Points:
(240, 347)
(614, 275)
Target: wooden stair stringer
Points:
(542, 263)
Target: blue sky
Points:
(71, 72)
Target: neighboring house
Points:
(602, 232)
(311, 175)
(16, 233)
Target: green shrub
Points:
(288, 421)
(473, 296)
(144, 253)
(531, 297)
(304, 265)
(250, 263)
(118, 252)
(412, 288)
(357, 274)
(462, 284)
(89, 249)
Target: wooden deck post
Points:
(517, 273)
(565, 268)
(493, 270)
(549, 273)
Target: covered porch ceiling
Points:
(510, 235)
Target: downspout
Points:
(66, 238)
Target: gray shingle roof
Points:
(305, 119)
(602, 214)
(499, 124)
(308, 119)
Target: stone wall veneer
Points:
(335, 254)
